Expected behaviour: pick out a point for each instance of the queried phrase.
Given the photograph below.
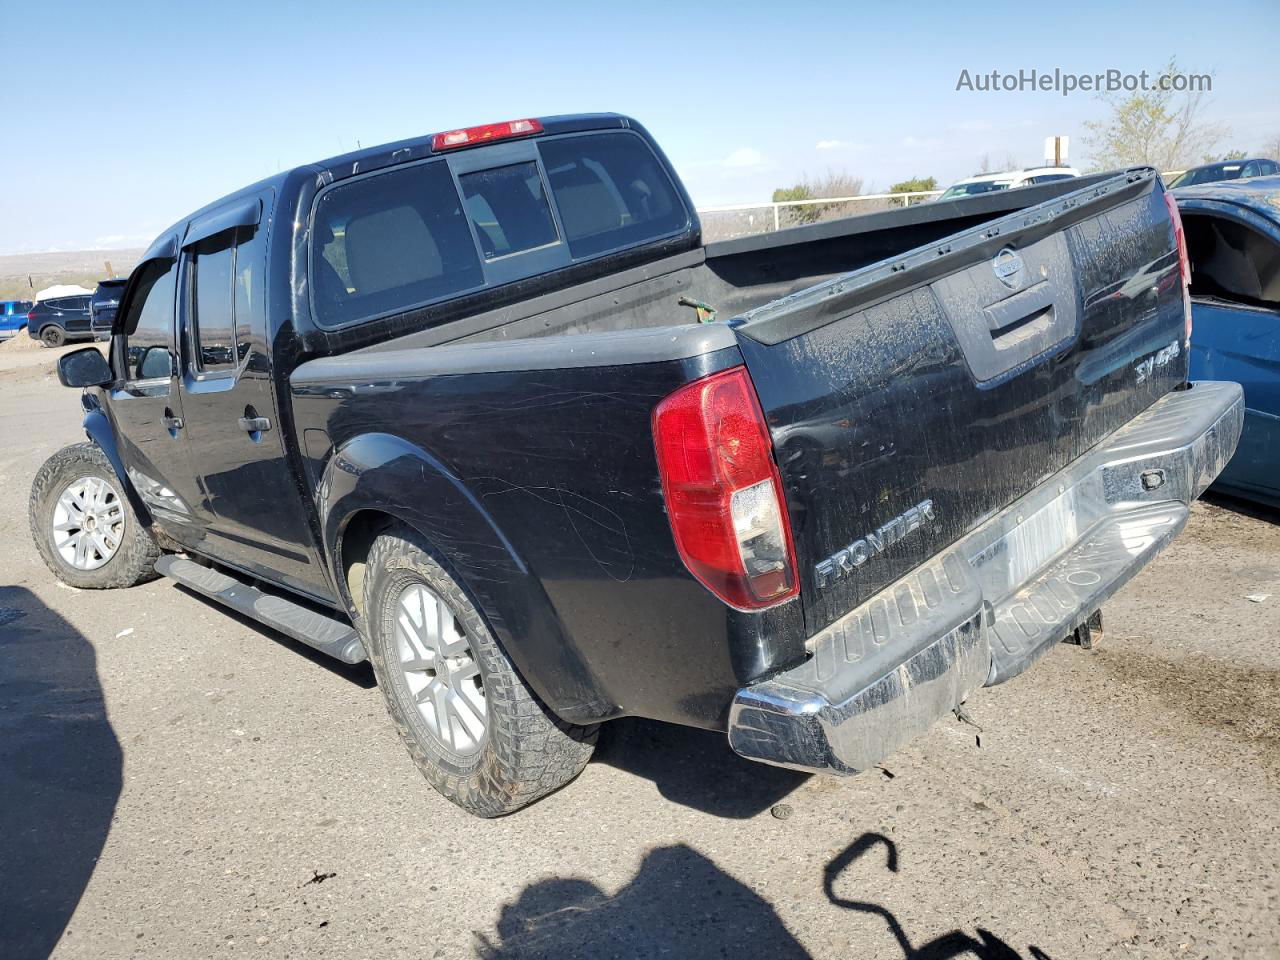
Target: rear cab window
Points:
(395, 240)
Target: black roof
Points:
(385, 155)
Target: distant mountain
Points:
(22, 274)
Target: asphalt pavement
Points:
(176, 782)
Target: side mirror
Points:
(84, 368)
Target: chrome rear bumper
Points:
(995, 601)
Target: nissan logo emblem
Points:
(1008, 268)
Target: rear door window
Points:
(610, 191)
(213, 318)
(388, 242)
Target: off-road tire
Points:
(133, 562)
(53, 336)
(527, 751)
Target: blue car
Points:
(1233, 237)
(13, 316)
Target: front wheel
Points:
(53, 336)
(475, 730)
(83, 527)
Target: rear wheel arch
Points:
(375, 480)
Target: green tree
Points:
(833, 184)
(915, 185)
(1156, 127)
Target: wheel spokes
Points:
(440, 669)
(87, 524)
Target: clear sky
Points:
(138, 113)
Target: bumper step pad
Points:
(1049, 608)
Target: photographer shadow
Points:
(680, 904)
(60, 771)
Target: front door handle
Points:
(255, 424)
(173, 423)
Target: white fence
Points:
(724, 222)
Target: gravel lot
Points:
(175, 782)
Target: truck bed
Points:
(733, 276)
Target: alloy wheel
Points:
(440, 669)
(88, 523)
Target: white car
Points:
(987, 182)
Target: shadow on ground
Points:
(695, 768)
(1248, 508)
(60, 773)
(680, 904)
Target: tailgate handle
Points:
(1021, 309)
(254, 424)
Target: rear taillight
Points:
(471, 136)
(1184, 261)
(723, 492)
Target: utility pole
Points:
(1055, 148)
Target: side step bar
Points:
(327, 634)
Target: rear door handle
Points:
(255, 424)
(172, 422)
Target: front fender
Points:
(390, 475)
(98, 429)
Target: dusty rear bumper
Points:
(995, 601)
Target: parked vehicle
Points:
(1233, 236)
(102, 307)
(1008, 180)
(13, 317)
(59, 319)
(1227, 170)
(448, 405)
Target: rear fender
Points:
(390, 475)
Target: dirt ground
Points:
(175, 782)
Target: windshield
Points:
(971, 189)
(1230, 171)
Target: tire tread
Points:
(133, 563)
(529, 751)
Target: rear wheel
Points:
(475, 730)
(53, 336)
(83, 527)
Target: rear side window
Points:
(390, 242)
(148, 326)
(610, 192)
(225, 293)
(212, 316)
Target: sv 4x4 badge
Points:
(1145, 368)
(845, 560)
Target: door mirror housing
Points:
(86, 367)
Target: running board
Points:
(327, 634)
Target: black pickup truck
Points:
(482, 408)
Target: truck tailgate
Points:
(913, 399)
